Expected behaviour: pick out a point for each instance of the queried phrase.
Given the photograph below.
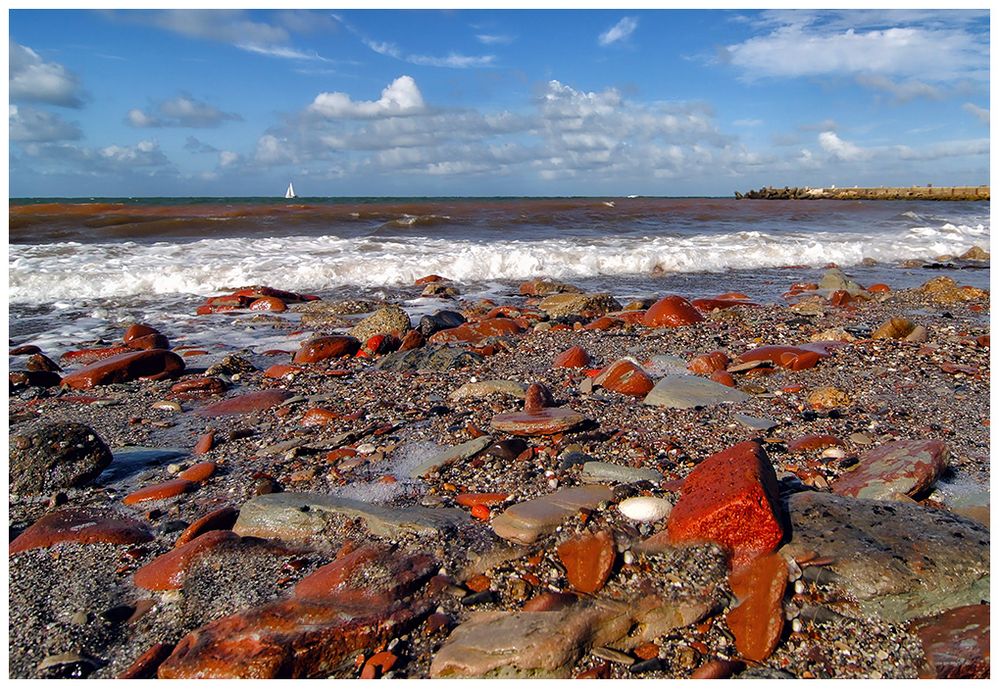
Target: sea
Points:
(80, 270)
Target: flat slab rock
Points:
(527, 521)
(688, 392)
(605, 472)
(957, 642)
(452, 454)
(905, 466)
(440, 358)
(304, 515)
(900, 561)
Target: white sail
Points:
(290, 194)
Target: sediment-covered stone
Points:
(909, 467)
(80, 525)
(52, 456)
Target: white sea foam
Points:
(69, 272)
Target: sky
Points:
(664, 102)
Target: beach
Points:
(586, 437)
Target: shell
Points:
(645, 508)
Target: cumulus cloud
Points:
(841, 149)
(144, 157)
(35, 80)
(31, 124)
(228, 158)
(195, 145)
(400, 97)
(982, 114)
(619, 32)
(180, 111)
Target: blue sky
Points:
(486, 103)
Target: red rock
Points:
(260, 292)
(25, 349)
(151, 341)
(206, 309)
(152, 364)
(159, 491)
(574, 357)
(537, 397)
(723, 378)
(708, 364)
(588, 559)
(716, 668)
(281, 370)
(427, 279)
(260, 400)
(712, 304)
(879, 288)
(378, 664)
(268, 304)
(481, 512)
(327, 347)
(795, 358)
(804, 286)
(983, 341)
(205, 444)
(206, 384)
(221, 519)
(548, 421)
(341, 453)
(318, 416)
(476, 332)
(137, 330)
(478, 583)
(956, 643)
(903, 466)
(145, 666)
(382, 576)
(413, 339)
(604, 323)
(80, 525)
(236, 301)
(167, 572)
(198, 472)
(671, 311)
(730, 499)
(547, 601)
(757, 622)
(626, 378)
(842, 298)
(629, 317)
(807, 443)
(646, 651)
(733, 295)
(89, 356)
(473, 499)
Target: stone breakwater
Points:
(557, 485)
(929, 193)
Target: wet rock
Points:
(49, 457)
(574, 357)
(793, 358)
(588, 559)
(835, 280)
(900, 561)
(707, 364)
(326, 347)
(389, 320)
(625, 378)
(484, 388)
(477, 332)
(33, 379)
(526, 522)
(442, 320)
(688, 392)
(672, 312)
(230, 365)
(160, 491)
(975, 253)
(453, 454)
(956, 643)
(387, 577)
(69, 665)
(146, 665)
(546, 421)
(89, 356)
(719, 304)
(807, 443)
(80, 525)
(40, 363)
(909, 467)
(201, 471)
(757, 622)
(167, 571)
(894, 329)
(540, 287)
(730, 499)
(605, 472)
(221, 519)
(441, 358)
(260, 400)
(150, 364)
(201, 384)
(572, 304)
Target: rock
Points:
(389, 320)
(80, 525)
(574, 357)
(526, 522)
(200, 384)
(272, 304)
(707, 364)
(69, 665)
(573, 304)
(834, 280)
(943, 290)
(167, 572)
(146, 665)
(807, 443)
(793, 358)
(976, 253)
(720, 304)
(33, 379)
(442, 358)
(540, 287)
(160, 491)
(672, 312)
(605, 472)
(918, 334)
(89, 356)
(442, 320)
(390, 575)
(302, 516)
(327, 347)
(153, 341)
(251, 402)
(956, 643)
(442, 290)
(477, 332)
(894, 329)
(909, 467)
(828, 397)
(484, 388)
(547, 421)
(833, 335)
(201, 471)
(588, 559)
(546, 601)
(723, 378)
(624, 377)
(899, 561)
(645, 508)
(731, 499)
(754, 422)
(757, 622)
(230, 365)
(687, 392)
(221, 519)
(604, 323)
(453, 454)
(150, 364)
(50, 457)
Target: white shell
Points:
(645, 508)
(834, 453)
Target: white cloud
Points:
(227, 26)
(840, 149)
(137, 118)
(180, 111)
(228, 158)
(901, 91)
(453, 60)
(401, 97)
(283, 52)
(272, 151)
(620, 31)
(982, 114)
(494, 39)
(30, 124)
(33, 79)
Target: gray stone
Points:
(909, 467)
(389, 320)
(527, 521)
(482, 388)
(48, 457)
(442, 358)
(834, 279)
(666, 364)
(442, 320)
(898, 560)
(587, 305)
(452, 454)
(755, 423)
(687, 392)
(301, 516)
(605, 472)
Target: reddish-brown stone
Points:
(604, 323)
(369, 576)
(326, 347)
(712, 304)
(626, 378)
(25, 349)
(879, 288)
(671, 311)
(909, 467)
(151, 341)
(842, 298)
(205, 444)
(159, 491)
(707, 364)
(473, 499)
(427, 279)
(807, 443)
(221, 519)
(956, 643)
(167, 572)
(413, 339)
(549, 600)
(588, 559)
(730, 499)
(717, 668)
(145, 666)
(723, 378)
(206, 384)
(548, 421)
(733, 295)
(268, 304)
(537, 397)
(378, 664)
(138, 330)
(89, 356)
(152, 364)
(318, 416)
(476, 332)
(260, 400)
(198, 472)
(757, 622)
(787, 356)
(281, 370)
(80, 525)
(265, 291)
(574, 357)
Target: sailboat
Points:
(290, 194)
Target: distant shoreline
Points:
(928, 193)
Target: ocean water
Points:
(80, 268)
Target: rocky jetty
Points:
(928, 193)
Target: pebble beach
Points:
(545, 482)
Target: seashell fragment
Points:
(645, 508)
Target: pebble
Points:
(645, 508)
